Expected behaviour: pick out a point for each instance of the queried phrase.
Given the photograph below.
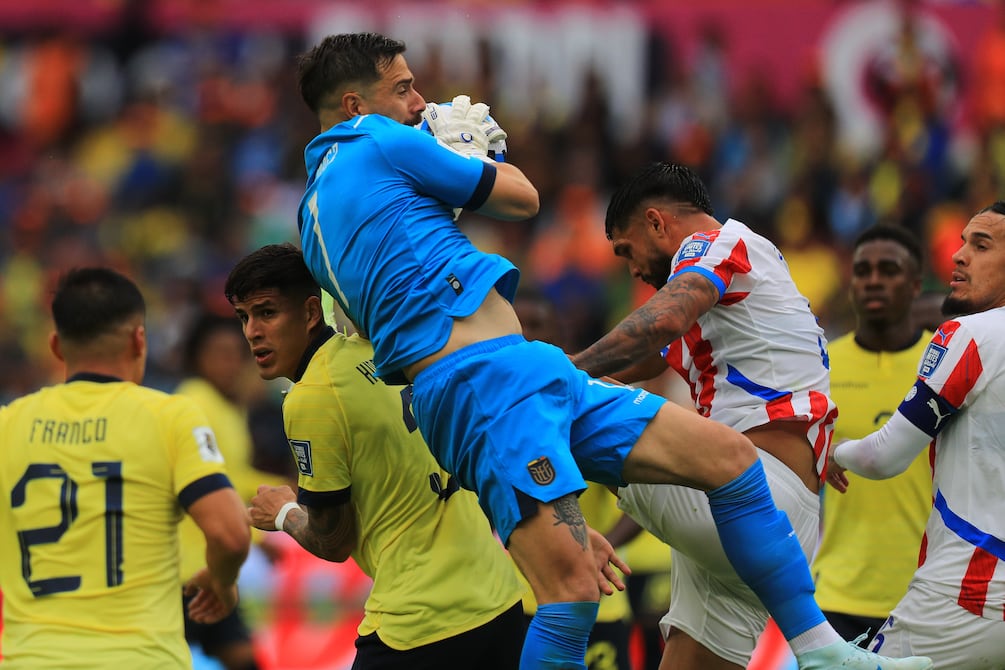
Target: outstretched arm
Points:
(328, 533)
(662, 319)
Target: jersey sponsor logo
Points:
(302, 454)
(693, 249)
(930, 361)
(208, 451)
(541, 471)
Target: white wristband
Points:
(283, 511)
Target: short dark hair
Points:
(90, 302)
(657, 180)
(998, 207)
(340, 59)
(274, 266)
(203, 328)
(893, 233)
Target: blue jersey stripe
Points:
(967, 531)
(736, 378)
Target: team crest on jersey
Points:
(930, 361)
(302, 453)
(693, 249)
(208, 451)
(541, 471)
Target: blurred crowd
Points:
(171, 155)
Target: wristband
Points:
(283, 511)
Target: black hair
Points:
(94, 301)
(274, 266)
(340, 59)
(897, 234)
(203, 328)
(997, 207)
(678, 183)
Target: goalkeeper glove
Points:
(496, 135)
(462, 126)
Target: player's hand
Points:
(836, 476)
(212, 601)
(493, 132)
(607, 559)
(461, 126)
(266, 505)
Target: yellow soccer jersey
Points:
(93, 475)
(600, 509)
(233, 436)
(872, 533)
(437, 569)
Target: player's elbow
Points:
(879, 468)
(340, 554)
(513, 197)
(231, 539)
(529, 204)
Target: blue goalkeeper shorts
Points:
(517, 422)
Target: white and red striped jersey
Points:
(964, 551)
(759, 355)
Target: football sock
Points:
(765, 552)
(557, 636)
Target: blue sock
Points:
(557, 636)
(764, 550)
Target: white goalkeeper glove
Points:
(462, 126)
(495, 134)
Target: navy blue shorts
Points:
(508, 415)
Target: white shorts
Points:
(930, 624)
(708, 600)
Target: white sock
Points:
(821, 635)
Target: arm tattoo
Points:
(329, 533)
(665, 317)
(567, 511)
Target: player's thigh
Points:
(929, 624)
(681, 517)
(720, 619)
(683, 652)
(551, 549)
(681, 447)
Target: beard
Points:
(956, 306)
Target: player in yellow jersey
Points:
(444, 593)
(872, 533)
(217, 363)
(95, 474)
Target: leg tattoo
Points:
(567, 511)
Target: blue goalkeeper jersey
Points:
(378, 233)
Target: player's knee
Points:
(735, 453)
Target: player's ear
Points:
(654, 220)
(351, 104)
(55, 347)
(138, 339)
(314, 312)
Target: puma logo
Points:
(939, 416)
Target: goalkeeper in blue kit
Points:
(513, 420)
